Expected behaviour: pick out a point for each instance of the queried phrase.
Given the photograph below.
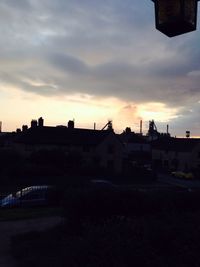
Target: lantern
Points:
(175, 17)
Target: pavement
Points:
(187, 184)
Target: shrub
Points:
(80, 203)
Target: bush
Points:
(168, 240)
(79, 203)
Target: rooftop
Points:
(61, 136)
(176, 144)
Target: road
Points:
(168, 179)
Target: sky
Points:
(94, 61)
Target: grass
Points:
(118, 229)
(167, 240)
(28, 213)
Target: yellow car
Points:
(183, 175)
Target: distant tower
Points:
(33, 123)
(40, 122)
(187, 134)
(141, 127)
(152, 126)
(0, 126)
(152, 132)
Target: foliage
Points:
(79, 203)
(153, 240)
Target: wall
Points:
(109, 155)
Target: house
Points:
(181, 154)
(137, 149)
(101, 148)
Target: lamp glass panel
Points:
(168, 10)
(190, 9)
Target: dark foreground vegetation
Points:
(118, 229)
(14, 214)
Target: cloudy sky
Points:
(91, 61)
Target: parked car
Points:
(27, 197)
(183, 175)
(102, 184)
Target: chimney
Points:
(24, 128)
(71, 124)
(40, 122)
(33, 123)
(128, 130)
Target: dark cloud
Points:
(68, 64)
(188, 120)
(17, 5)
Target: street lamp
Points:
(175, 17)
